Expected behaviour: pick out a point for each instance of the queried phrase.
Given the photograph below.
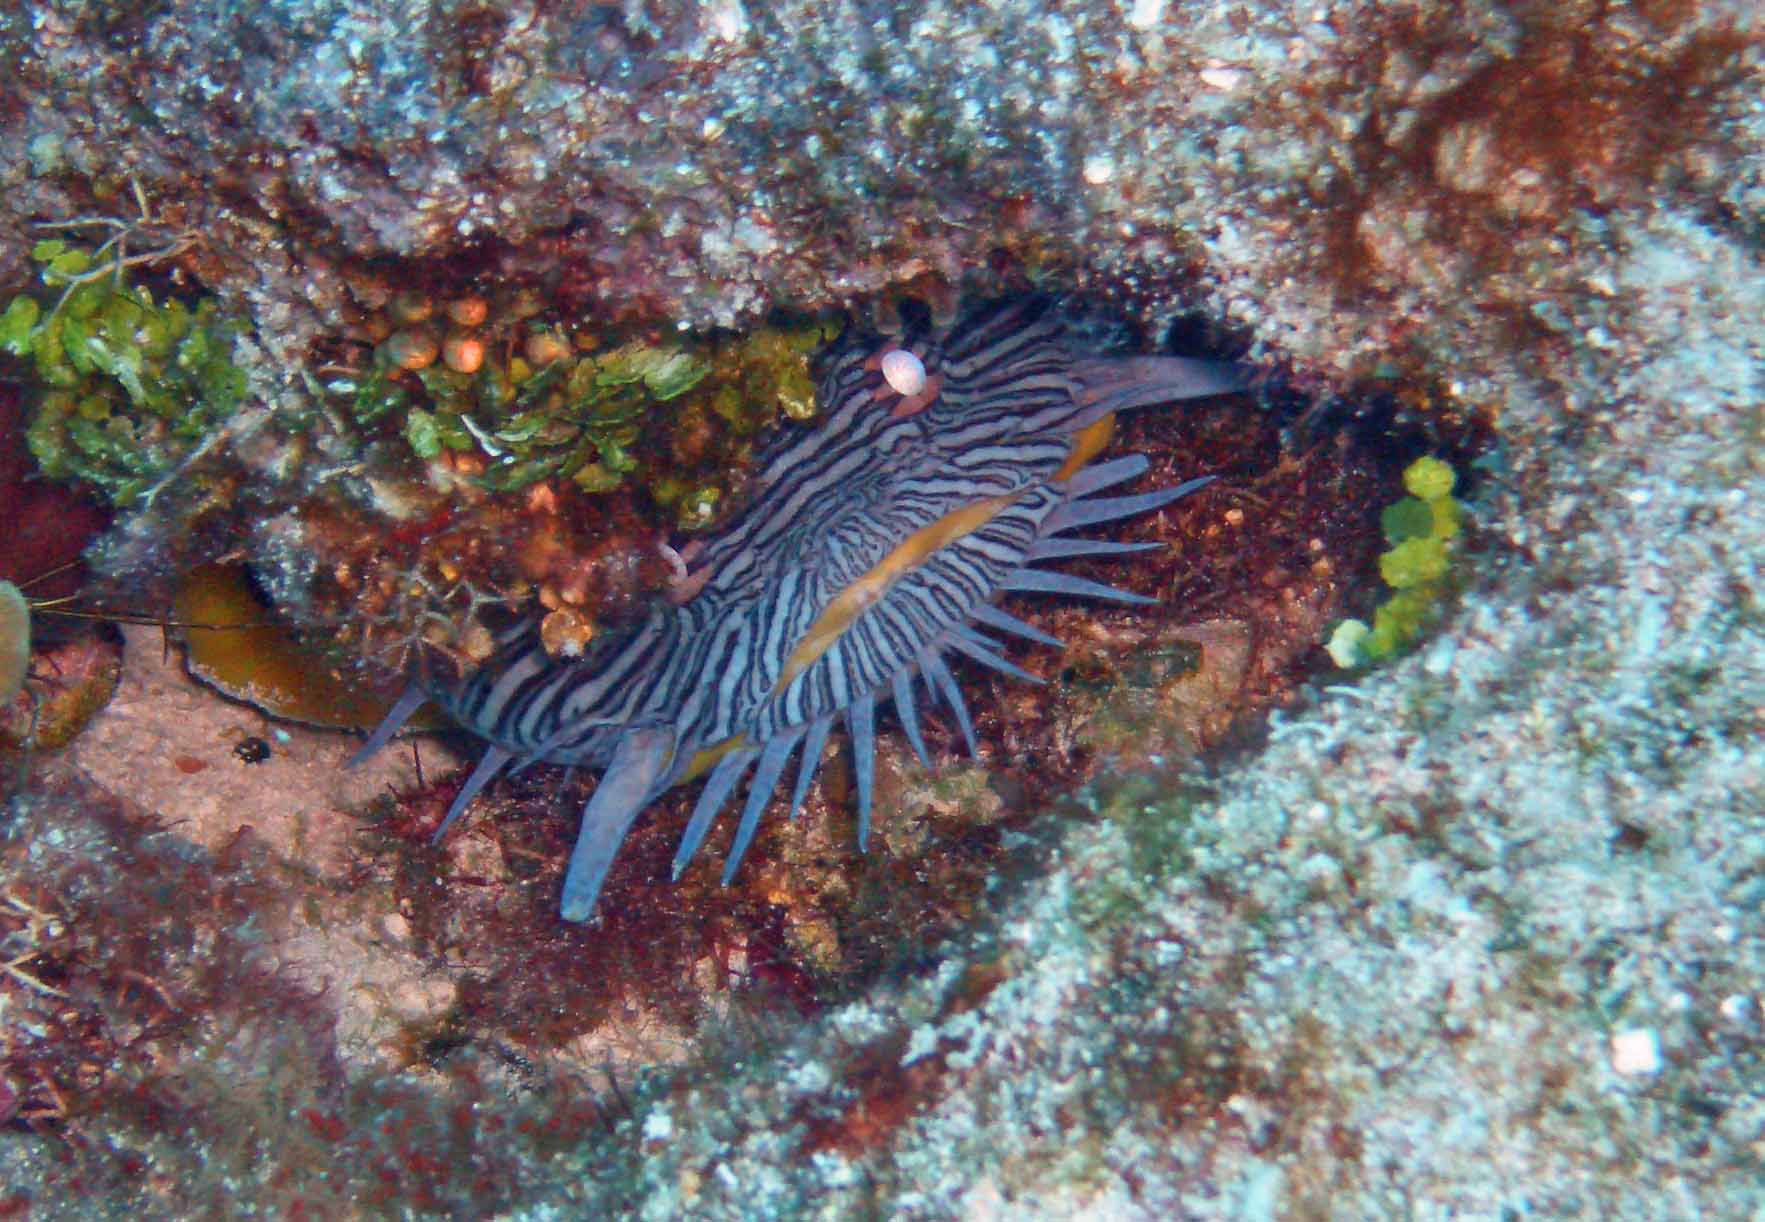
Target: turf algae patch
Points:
(70, 678)
(148, 980)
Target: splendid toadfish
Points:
(945, 465)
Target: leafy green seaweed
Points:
(127, 385)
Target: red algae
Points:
(656, 962)
(47, 525)
(146, 985)
(888, 1094)
(1453, 170)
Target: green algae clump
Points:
(1414, 562)
(1423, 530)
(676, 418)
(127, 386)
(1429, 479)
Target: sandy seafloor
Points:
(1479, 935)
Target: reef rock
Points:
(1478, 934)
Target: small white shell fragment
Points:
(658, 1126)
(1222, 78)
(904, 372)
(1098, 170)
(1146, 14)
(1636, 1051)
(729, 20)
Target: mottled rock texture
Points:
(1480, 935)
(1336, 174)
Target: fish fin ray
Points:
(971, 645)
(1040, 581)
(773, 758)
(903, 686)
(403, 709)
(991, 616)
(1098, 476)
(814, 744)
(489, 764)
(934, 666)
(1066, 549)
(633, 778)
(718, 787)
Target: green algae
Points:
(126, 385)
(1422, 529)
(677, 419)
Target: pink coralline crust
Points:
(1290, 986)
(701, 165)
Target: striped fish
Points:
(874, 548)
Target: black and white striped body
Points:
(875, 542)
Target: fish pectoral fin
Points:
(412, 699)
(640, 762)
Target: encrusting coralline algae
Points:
(1476, 932)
